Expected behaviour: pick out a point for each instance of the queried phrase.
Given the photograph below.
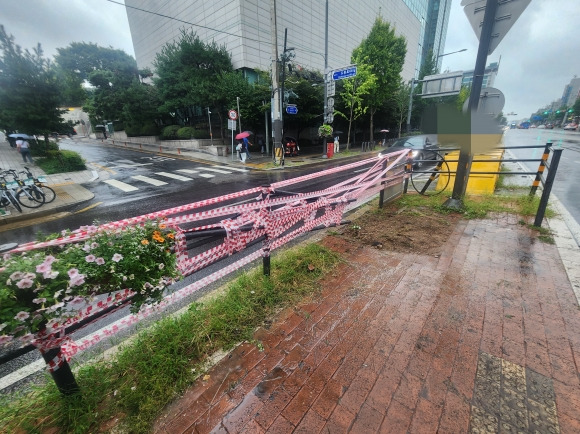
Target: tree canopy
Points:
(384, 52)
(29, 90)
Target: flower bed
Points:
(43, 288)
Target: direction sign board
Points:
(507, 14)
(330, 88)
(347, 72)
(291, 109)
(232, 124)
(330, 104)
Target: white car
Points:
(571, 126)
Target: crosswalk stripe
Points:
(216, 170)
(174, 176)
(120, 185)
(148, 180)
(237, 169)
(187, 171)
(206, 175)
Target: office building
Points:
(488, 76)
(244, 27)
(571, 92)
(436, 29)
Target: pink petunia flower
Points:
(90, 258)
(73, 272)
(86, 248)
(49, 259)
(43, 268)
(50, 274)
(94, 245)
(77, 301)
(25, 283)
(78, 280)
(100, 261)
(117, 257)
(161, 266)
(17, 275)
(21, 316)
(4, 339)
(39, 300)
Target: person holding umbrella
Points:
(245, 143)
(23, 146)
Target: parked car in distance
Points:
(571, 126)
(423, 147)
(541, 126)
(550, 126)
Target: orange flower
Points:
(170, 236)
(162, 226)
(144, 242)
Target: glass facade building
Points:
(244, 27)
(437, 16)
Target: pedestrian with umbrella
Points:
(23, 146)
(245, 144)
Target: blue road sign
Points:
(348, 72)
(291, 109)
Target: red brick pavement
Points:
(408, 343)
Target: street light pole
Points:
(325, 76)
(209, 119)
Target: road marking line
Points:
(174, 176)
(206, 175)
(104, 168)
(121, 185)
(22, 373)
(234, 168)
(88, 207)
(148, 180)
(215, 170)
(132, 165)
(187, 171)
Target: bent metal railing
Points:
(544, 163)
(267, 214)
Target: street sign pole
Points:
(325, 78)
(465, 157)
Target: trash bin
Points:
(330, 149)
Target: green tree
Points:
(385, 53)
(354, 91)
(186, 72)
(140, 106)
(401, 104)
(429, 67)
(29, 91)
(109, 71)
(309, 100)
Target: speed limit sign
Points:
(233, 115)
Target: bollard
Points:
(178, 151)
(541, 169)
(382, 192)
(60, 371)
(552, 169)
(140, 145)
(266, 261)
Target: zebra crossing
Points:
(159, 179)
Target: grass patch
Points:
(477, 206)
(61, 161)
(163, 360)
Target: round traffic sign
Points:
(233, 115)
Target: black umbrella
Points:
(20, 136)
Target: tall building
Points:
(244, 27)
(571, 92)
(488, 76)
(436, 29)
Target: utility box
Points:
(330, 149)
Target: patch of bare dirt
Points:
(406, 230)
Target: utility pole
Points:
(276, 115)
(325, 77)
(465, 157)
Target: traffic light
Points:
(545, 112)
(570, 111)
(557, 111)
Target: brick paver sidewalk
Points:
(482, 338)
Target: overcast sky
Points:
(539, 55)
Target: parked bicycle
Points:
(49, 193)
(8, 195)
(28, 190)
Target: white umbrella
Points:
(20, 136)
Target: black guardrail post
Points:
(266, 260)
(382, 192)
(541, 169)
(60, 371)
(408, 169)
(552, 169)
